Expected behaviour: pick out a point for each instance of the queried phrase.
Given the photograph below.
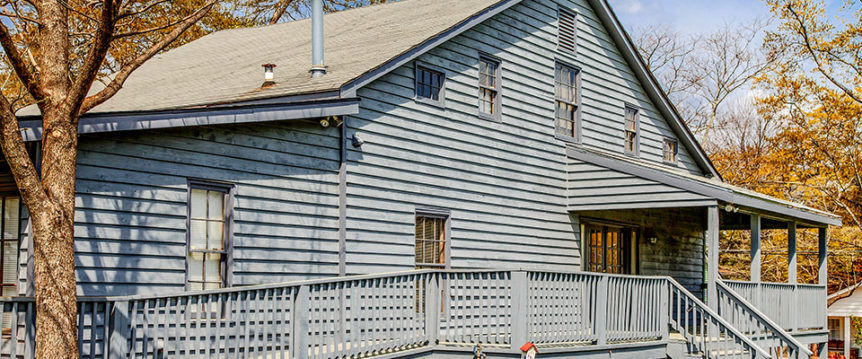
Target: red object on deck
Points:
(526, 347)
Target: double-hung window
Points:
(429, 85)
(489, 87)
(671, 151)
(631, 131)
(431, 233)
(209, 221)
(567, 101)
(10, 239)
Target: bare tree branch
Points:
(100, 47)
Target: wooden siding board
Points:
(131, 205)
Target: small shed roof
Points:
(846, 302)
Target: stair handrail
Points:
(761, 353)
(784, 336)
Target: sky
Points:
(694, 16)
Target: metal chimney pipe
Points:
(317, 65)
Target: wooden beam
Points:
(847, 336)
(791, 253)
(756, 258)
(822, 254)
(712, 254)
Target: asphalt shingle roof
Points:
(225, 66)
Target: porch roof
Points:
(605, 181)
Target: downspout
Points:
(342, 198)
(318, 68)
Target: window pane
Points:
(196, 267)
(428, 83)
(198, 202)
(198, 234)
(215, 235)
(430, 243)
(10, 262)
(215, 200)
(212, 268)
(11, 218)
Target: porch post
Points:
(791, 252)
(847, 336)
(821, 244)
(755, 248)
(712, 261)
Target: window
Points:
(609, 248)
(836, 329)
(429, 85)
(10, 239)
(566, 31)
(567, 96)
(631, 133)
(670, 151)
(489, 87)
(208, 236)
(430, 241)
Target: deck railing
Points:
(781, 302)
(757, 325)
(381, 314)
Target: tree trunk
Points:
(53, 240)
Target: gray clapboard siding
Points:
(591, 186)
(131, 205)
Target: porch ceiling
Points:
(604, 181)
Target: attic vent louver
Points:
(566, 30)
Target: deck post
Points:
(299, 347)
(756, 258)
(120, 331)
(791, 271)
(519, 310)
(821, 246)
(602, 311)
(666, 309)
(847, 336)
(712, 262)
(432, 308)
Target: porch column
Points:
(712, 260)
(791, 252)
(755, 248)
(821, 244)
(847, 336)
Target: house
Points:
(844, 305)
(512, 163)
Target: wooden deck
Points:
(419, 314)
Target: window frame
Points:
(629, 243)
(446, 216)
(664, 142)
(635, 151)
(3, 240)
(227, 261)
(417, 65)
(577, 125)
(498, 97)
(560, 48)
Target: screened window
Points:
(567, 106)
(670, 150)
(631, 132)
(207, 238)
(429, 84)
(11, 240)
(430, 241)
(566, 30)
(489, 87)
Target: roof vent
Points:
(268, 74)
(317, 66)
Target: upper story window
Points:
(489, 87)
(431, 241)
(631, 133)
(209, 234)
(429, 85)
(670, 151)
(566, 30)
(567, 101)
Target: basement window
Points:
(429, 85)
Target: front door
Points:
(608, 248)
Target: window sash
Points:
(670, 151)
(430, 242)
(489, 86)
(429, 83)
(10, 244)
(566, 106)
(631, 130)
(208, 237)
